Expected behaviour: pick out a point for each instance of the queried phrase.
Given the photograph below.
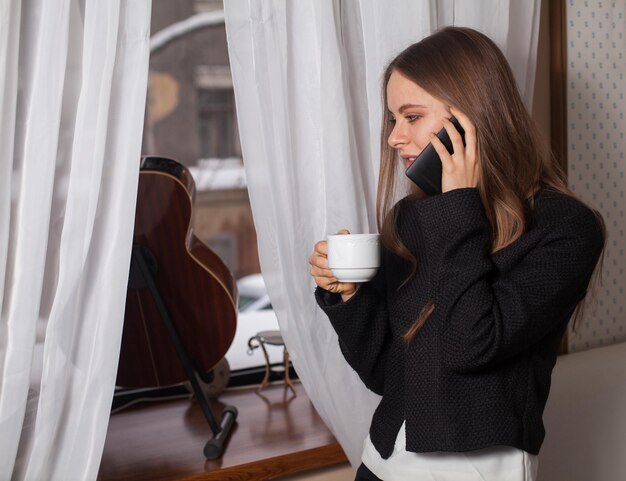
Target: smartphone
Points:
(425, 171)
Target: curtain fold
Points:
(307, 79)
(40, 81)
(79, 77)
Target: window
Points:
(217, 124)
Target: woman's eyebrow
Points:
(408, 106)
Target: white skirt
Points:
(495, 463)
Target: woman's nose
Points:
(398, 137)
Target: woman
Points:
(459, 329)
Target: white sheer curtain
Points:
(307, 86)
(73, 77)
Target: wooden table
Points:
(276, 434)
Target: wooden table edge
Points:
(292, 463)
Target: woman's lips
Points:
(408, 161)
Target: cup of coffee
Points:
(354, 257)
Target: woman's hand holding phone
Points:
(460, 169)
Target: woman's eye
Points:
(392, 120)
(412, 118)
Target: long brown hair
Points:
(464, 69)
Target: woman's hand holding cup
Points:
(324, 277)
(344, 261)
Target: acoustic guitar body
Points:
(198, 290)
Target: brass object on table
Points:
(272, 338)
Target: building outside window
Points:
(190, 117)
(217, 124)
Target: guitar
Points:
(197, 289)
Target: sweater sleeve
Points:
(361, 324)
(488, 318)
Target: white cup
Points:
(354, 257)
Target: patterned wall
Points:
(596, 106)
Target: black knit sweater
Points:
(478, 372)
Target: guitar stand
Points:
(143, 267)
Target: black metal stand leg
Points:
(214, 447)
